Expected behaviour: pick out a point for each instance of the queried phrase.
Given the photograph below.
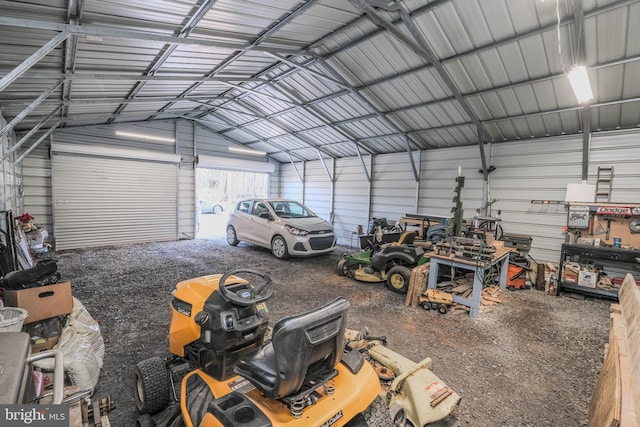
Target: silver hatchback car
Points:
(287, 227)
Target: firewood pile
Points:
(462, 286)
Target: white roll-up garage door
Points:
(103, 200)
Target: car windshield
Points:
(289, 209)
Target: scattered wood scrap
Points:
(463, 287)
(417, 285)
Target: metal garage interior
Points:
(361, 109)
(364, 108)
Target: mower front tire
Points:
(398, 279)
(376, 415)
(343, 267)
(152, 385)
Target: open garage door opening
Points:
(216, 193)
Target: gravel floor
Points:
(532, 361)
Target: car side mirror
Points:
(265, 215)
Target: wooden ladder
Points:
(604, 181)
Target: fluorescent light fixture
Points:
(579, 80)
(144, 136)
(247, 151)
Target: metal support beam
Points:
(586, 142)
(416, 175)
(33, 59)
(422, 49)
(485, 167)
(364, 166)
(326, 169)
(295, 168)
(31, 132)
(579, 58)
(121, 33)
(34, 104)
(35, 144)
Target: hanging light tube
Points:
(144, 136)
(579, 80)
(247, 151)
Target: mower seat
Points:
(406, 238)
(303, 348)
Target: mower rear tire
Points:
(232, 237)
(145, 420)
(279, 247)
(152, 385)
(376, 415)
(398, 279)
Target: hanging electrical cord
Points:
(558, 31)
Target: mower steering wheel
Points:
(247, 297)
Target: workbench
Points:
(479, 268)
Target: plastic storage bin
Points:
(12, 318)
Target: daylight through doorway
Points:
(216, 193)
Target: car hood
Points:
(309, 224)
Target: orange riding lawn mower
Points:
(229, 368)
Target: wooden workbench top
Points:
(501, 251)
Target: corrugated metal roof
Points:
(323, 77)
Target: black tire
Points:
(145, 420)
(178, 422)
(232, 237)
(343, 267)
(152, 385)
(426, 305)
(279, 247)
(443, 309)
(376, 415)
(398, 279)
(217, 209)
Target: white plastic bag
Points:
(82, 346)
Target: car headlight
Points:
(296, 231)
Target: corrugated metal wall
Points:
(185, 132)
(36, 187)
(537, 169)
(439, 169)
(621, 150)
(319, 189)
(352, 201)
(395, 190)
(37, 165)
(291, 187)
(10, 175)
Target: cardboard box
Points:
(587, 278)
(570, 272)
(584, 241)
(42, 302)
(43, 344)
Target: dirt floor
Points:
(532, 361)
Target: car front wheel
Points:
(232, 238)
(279, 248)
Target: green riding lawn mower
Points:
(390, 262)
